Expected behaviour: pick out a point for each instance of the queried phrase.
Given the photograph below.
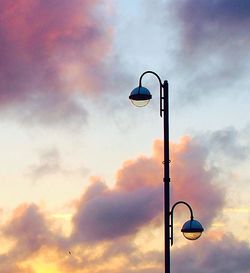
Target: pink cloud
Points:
(31, 229)
(193, 181)
(51, 49)
(137, 197)
(142, 172)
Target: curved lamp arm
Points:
(161, 86)
(150, 72)
(171, 214)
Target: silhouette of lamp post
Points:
(192, 229)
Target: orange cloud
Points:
(139, 173)
(30, 228)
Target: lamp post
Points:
(192, 229)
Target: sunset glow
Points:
(81, 170)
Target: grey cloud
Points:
(213, 55)
(204, 20)
(50, 162)
(228, 144)
(225, 255)
(227, 141)
(51, 109)
(111, 214)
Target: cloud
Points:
(224, 255)
(227, 143)
(105, 214)
(49, 51)
(205, 21)
(50, 162)
(51, 109)
(107, 220)
(110, 214)
(193, 181)
(15, 269)
(34, 234)
(30, 229)
(213, 53)
(116, 256)
(138, 173)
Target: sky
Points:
(81, 167)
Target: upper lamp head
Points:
(192, 230)
(140, 96)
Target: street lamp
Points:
(140, 96)
(192, 229)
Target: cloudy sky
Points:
(81, 168)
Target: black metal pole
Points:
(166, 178)
(167, 213)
